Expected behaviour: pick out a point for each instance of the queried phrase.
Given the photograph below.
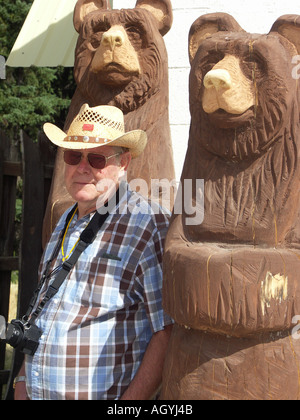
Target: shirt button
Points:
(36, 374)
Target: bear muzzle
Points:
(227, 88)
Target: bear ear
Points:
(84, 7)
(162, 11)
(289, 27)
(208, 25)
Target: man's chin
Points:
(106, 190)
(84, 197)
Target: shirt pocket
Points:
(103, 279)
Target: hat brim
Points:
(135, 140)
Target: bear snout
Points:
(227, 88)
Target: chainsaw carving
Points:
(121, 60)
(232, 283)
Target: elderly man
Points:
(104, 333)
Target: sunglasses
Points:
(73, 158)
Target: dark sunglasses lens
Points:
(71, 157)
(97, 161)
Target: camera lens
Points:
(14, 334)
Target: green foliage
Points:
(12, 16)
(29, 96)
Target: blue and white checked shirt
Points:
(97, 327)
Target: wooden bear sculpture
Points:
(232, 283)
(121, 60)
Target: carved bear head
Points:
(242, 90)
(120, 56)
(245, 128)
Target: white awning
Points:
(47, 38)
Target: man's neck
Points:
(86, 208)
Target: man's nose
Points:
(113, 38)
(84, 165)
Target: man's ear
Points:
(84, 7)
(125, 160)
(161, 10)
(208, 25)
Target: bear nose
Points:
(113, 38)
(218, 79)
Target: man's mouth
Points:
(83, 183)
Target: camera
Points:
(23, 336)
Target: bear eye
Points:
(95, 40)
(209, 62)
(134, 33)
(253, 66)
(96, 30)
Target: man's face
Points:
(83, 181)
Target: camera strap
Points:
(86, 238)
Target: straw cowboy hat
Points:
(98, 126)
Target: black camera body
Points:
(23, 336)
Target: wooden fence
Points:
(31, 162)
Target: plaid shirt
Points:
(97, 327)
